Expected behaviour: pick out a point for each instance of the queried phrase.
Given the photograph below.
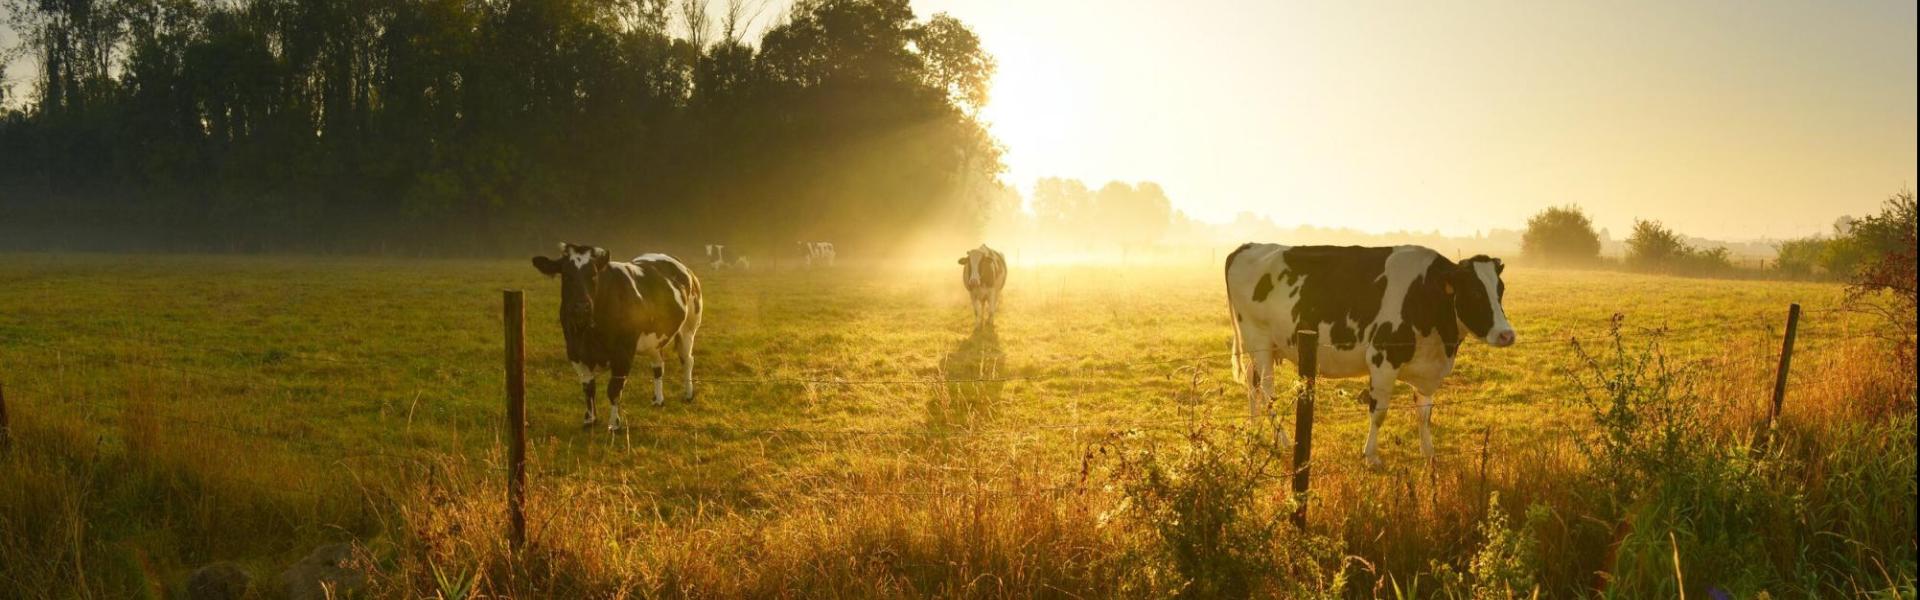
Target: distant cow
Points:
(984, 272)
(611, 310)
(1392, 314)
(717, 256)
(819, 252)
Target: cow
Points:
(610, 311)
(984, 273)
(1390, 314)
(821, 252)
(716, 256)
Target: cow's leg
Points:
(1426, 423)
(993, 305)
(659, 373)
(1260, 363)
(1378, 396)
(586, 387)
(684, 344)
(620, 365)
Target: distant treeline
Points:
(474, 126)
(1857, 246)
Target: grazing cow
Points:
(611, 310)
(1391, 314)
(742, 264)
(821, 252)
(984, 273)
(716, 256)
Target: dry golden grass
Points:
(195, 409)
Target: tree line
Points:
(1869, 247)
(477, 126)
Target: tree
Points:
(1654, 246)
(1561, 234)
(465, 126)
(1131, 215)
(1885, 281)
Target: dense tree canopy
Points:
(478, 125)
(1561, 234)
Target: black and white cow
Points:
(985, 273)
(1391, 314)
(610, 311)
(717, 256)
(819, 252)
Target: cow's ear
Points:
(547, 266)
(962, 261)
(600, 259)
(1499, 267)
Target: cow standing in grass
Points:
(984, 272)
(819, 252)
(611, 311)
(1391, 314)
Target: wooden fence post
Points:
(1786, 362)
(6, 435)
(1309, 344)
(515, 318)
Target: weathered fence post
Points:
(5, 433)
(1309, 344)
(515, 318)
(1786, 362)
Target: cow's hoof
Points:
(689, 396)
(616, 427)
(1373, 463)
(589, 421)
(659, 402)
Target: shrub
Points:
(1208, 533)
(1802, 256)
(1884, 282)
(1561, 234)
(1654, 247)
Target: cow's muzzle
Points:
(1502, 338)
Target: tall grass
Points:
(1626, 457)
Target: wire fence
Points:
(1720, 330)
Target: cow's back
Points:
(1339, 290)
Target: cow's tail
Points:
(1241, 363)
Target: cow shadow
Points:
(972, 371)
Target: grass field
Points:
(173, 411)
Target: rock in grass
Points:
(218, 581)
(327, 567)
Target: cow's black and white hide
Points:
(717, 256)
(1390, 314)
(984, 273)
(611, 311)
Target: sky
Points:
(1731, 120)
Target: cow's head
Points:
(1477, 291)
(579, 268)
(972, 263)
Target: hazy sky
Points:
(1723, 119)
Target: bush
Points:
(1209, 533)
(1801, 257)
(1653, 247)
(1884, 282)
(1561, 234)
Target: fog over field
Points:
(957, 298)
